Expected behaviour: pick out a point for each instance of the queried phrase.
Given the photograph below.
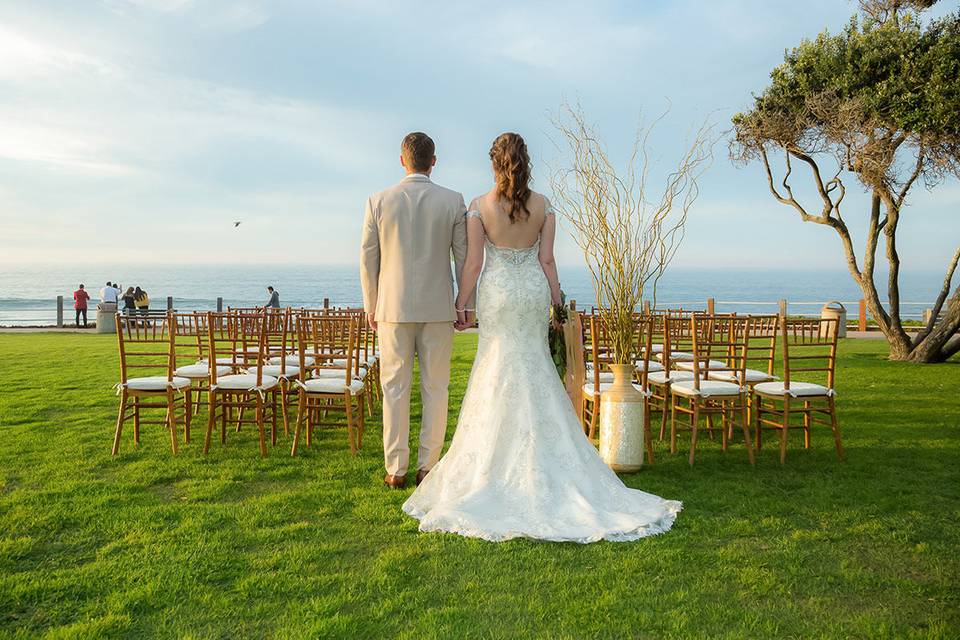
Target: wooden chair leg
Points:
(834, 426)
(273, 418)
(310, 418)
(259, 418)
(758, 416)
(351, 433)
(583, 416)
(694, 422)
(663, 416)
(724, 420)
(172, 420)
(223, 420)
(121, 413)
(363, 421)
(283, 407)
(785, 427)
(301, 415)
(594, 410)
(136, 421)
(211, 413)
(806, 424)
(745, 421)
(188, 413)
(673, 421)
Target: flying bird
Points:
(236, 223)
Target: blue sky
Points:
(140, 129)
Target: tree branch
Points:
(941, 298)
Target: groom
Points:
(409, 231)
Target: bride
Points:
(519, 464)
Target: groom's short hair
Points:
(418, 151)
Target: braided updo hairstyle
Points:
(511, 168)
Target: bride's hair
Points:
(511, 168)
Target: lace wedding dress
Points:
(519, 464)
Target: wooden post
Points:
(169, 303)
(219, 305)
(783, 308)
(862, 325)
(573, 305)
(60, 311)
(326, 303)
(710, 306)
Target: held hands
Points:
(464, 319)
(372, 321)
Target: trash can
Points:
(106, 318)
(835, 310)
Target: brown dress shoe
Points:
(421, 474)
(395, 482)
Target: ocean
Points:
(28, 293)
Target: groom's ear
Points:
(433, 162)
(403, 163)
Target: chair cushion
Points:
(331, 385)
(651, 366)
(654, 349)
(372, 360)
(336, 373)
(708, 388)
(157, 383)
(797, 389)
(245, 382)
(687, 365)
(605, 376)
(752, 375)
(200, 370)
(293, 360)
(292, 371)
(677, 356)
(662, 377)
(604, 386)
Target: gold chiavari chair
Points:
(332, 383)
(809, 348)
(243, 337)
(761, 354)
(190, 342)
(147, 348)
(677, 342)
(284, 361)
(719, 345)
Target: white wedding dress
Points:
(519, 464)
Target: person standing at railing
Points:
(80, 297)
(141, 300)
(274, 302)
(129, 304)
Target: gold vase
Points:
(621, 422)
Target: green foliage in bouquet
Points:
(558, 346)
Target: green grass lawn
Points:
(230, 545)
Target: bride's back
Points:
(497, 226)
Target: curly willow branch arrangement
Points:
(627, 240)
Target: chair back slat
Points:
(145, 343)
(807, 342)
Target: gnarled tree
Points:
(880, 101)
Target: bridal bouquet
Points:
(555, 337)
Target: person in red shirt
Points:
(80, 297)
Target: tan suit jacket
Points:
(409, 231)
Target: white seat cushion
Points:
(293, 360)
(677, 356)
(331, 385)
(708, 389)
(753, 376)
(797, 389)
(662, 377)
(337, 373)
(687, 365)
(245, 382)
(654, 349)
(292, 371)
(199, 370)
(604, 386)
(651, 366)
(605, 376)
(372, 360)
(157, 383)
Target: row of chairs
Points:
(694, 367)
(250, 364)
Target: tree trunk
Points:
(941, 343)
